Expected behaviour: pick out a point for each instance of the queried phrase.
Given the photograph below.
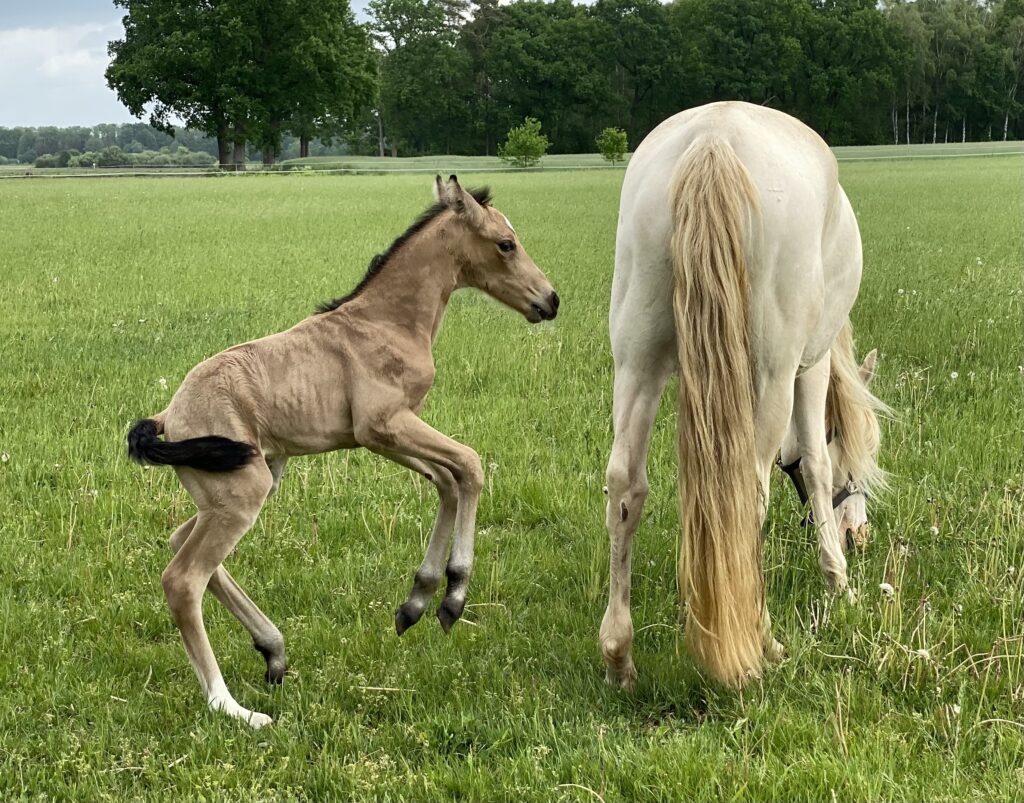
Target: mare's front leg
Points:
(428, 576)
(816, 467)
(402, 433)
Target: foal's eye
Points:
(505, 246)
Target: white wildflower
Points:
(954, 375)
(887, 590)
(933, 530)
(162, 383)
(4, 457)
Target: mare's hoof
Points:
(624, 679)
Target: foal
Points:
(354, 375)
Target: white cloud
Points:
(54, 76)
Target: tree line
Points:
(121, 144)
(453, 76)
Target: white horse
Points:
(738, 259)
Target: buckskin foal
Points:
(354, 375)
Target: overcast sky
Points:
(52, 57)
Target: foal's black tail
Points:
(210, 453)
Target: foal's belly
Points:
(306, 424)
(302, 443)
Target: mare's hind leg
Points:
(228, 506)
(640, 379)
(431, 571)
(816, 467)
(773, 406)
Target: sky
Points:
(52, 57)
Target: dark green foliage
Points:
(857, 71)
(243, 70)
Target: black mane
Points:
(482, 196)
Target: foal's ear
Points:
(867, 369)
(440, 193)
(464, 204)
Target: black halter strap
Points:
(792, 470)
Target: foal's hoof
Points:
(277, 664)
(257, 720)
(449, 612)
(405, 617)
(276, 669)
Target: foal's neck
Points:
(412, 289)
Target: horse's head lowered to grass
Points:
(489, 255)
(854, 438)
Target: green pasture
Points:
(111, 290)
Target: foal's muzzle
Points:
(546, 311)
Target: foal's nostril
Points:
(555, 301)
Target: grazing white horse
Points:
(738, 259)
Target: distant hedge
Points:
(113, 156)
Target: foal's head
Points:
(491, 258)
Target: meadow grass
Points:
(112, 290)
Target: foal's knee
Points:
(181, 593)
(469, 476)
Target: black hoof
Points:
(277, 665)
(449, 612)
(276, 669)
(406, 617)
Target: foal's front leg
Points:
(428, 576)
(404, 434)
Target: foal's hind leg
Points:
(429, 575)
(639, 382)
(816, 467)
(228, 505)
(266, 638)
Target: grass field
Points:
(111, 290)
